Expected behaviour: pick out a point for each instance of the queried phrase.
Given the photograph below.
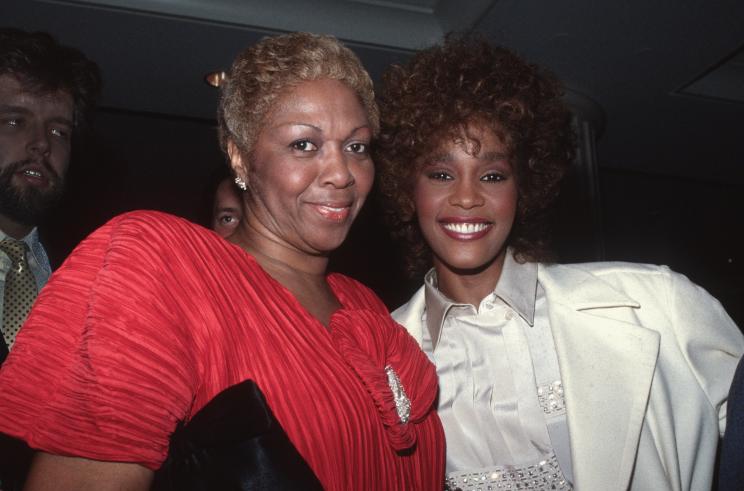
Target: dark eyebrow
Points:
(62, 120)
(446, 157)
(494, 156)
(362, 127)
(13, 109)
(320, 130)
(438, 158)
(297, 123)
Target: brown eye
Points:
(303, 146)
(493, 177)
(358, 148)
(439, 176)
(58, 132)
(227, 219)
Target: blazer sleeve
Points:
(709, 339)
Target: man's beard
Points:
(27, 204)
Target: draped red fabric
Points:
(152, 316)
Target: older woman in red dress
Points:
(151, 317)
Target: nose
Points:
(466, 194)
(38, 140)
(336, 170)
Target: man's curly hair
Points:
(465, 81)
(43, 66)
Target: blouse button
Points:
(509, 315)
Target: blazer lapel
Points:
(607, 365)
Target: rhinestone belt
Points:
(544, 475)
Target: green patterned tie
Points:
(20, 289)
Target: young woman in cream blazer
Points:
(603, 376)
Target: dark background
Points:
(668, 80)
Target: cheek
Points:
(281, 182)
(505, 203)
(420, 203)
(427, 201)
(11, 149)
(60, 156)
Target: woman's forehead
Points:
(473, 137)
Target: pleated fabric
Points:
(152, 316)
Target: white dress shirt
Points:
(501, 397)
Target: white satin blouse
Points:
(501, 397)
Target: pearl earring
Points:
(241, 183)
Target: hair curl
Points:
(441, 91)
(44, 66)
(263, 71)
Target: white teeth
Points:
(466, 228)
(32, 173)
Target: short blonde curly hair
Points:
(263, 71)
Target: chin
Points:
(465, 266)
(326, 247)
(466, 269)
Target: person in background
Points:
(598, 376)
(47, 90)
(227, 206)
(239, 363)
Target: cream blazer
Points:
(646, 358)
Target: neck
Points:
(301, 273)
(13, 228)
(469, 286)
(277, 258)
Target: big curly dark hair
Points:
(442, 90)
(44, 66)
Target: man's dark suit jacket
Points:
(731, 476)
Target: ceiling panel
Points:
(725, 81)
(355, 21)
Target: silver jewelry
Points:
(241, 183)
(402, 403)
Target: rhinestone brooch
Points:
(402, 403)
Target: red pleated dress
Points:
(152, 316)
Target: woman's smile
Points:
(463, 228)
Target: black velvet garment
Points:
(15, 460)
(234, 443)
(3, 351)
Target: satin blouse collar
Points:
(517, 287)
